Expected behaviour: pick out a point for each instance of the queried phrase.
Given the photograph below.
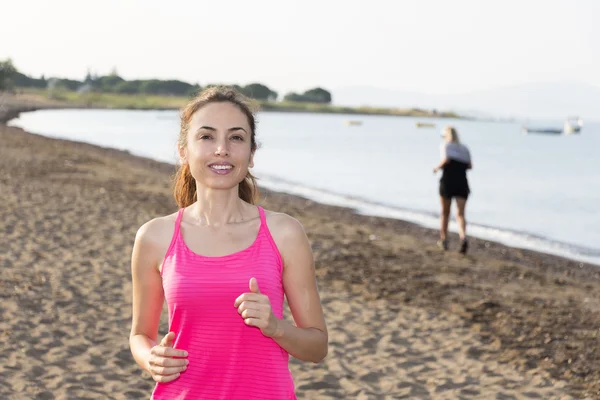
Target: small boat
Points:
(571, 126)
(425, 125)
(353, 122)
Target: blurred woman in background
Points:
(455, 161)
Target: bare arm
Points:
(147, 299)
(307, 339)
(440, 165)
(153, 356)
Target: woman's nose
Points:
(222, 149)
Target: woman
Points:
(456, 160)
(223, 265)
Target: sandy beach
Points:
(406, 321)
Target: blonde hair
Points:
(185, 184)
(450, 131)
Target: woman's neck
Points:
(218, 207)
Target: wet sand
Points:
(405, 319)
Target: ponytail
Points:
(185, 186)
(248, 189)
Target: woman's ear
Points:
(251, 163)
(182, 154)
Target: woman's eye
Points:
(204, 137)
(237, 137)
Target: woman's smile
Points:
(221, 168)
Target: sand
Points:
(405, 319)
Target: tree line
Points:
(11, 78)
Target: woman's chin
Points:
(220, 183)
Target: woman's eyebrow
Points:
(210, 128)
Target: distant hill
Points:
(533, 100)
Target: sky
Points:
(428, 46)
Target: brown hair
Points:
(185, 184)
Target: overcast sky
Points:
(424, 45)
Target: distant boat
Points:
(353, 122)
(571, 126)
(425, 125)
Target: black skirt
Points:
(454, 181)
(449, 190)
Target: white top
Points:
(455, 151)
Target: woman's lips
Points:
(221, 168)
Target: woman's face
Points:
(447, 135)
(218, 147)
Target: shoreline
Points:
(12, 106)
(524, 311)
(430, 221)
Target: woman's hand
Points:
(436, 169)
(166, 363)
(256, 310)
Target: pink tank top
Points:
(227, 358)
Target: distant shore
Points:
(12, 105)
(71, 99)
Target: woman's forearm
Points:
(306, 344)
(442, 163)
(140, 348)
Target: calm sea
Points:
(531, 191)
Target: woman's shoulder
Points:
(288, 234)
(466, 149)
(157, 230)
(464, 146)
(283, 226)
(458, 147)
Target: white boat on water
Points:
(571, 126)
(425, 125)
(353, 122)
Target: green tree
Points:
(318, 95)
(68, 84)
(178, 88)
(88, 77)
(108, 83)
(172, 87)
(237, 88)
(259, 91)
(7, 72)
(23, 81)
(128, 87)
(295, 98)
(194, 90)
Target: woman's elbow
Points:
(321, 356)
(323, 350)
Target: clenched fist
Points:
(256, 310)
(166, 363)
